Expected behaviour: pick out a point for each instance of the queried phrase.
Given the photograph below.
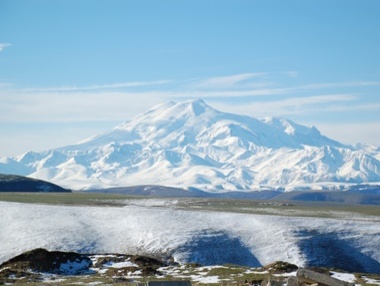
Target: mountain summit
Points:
(190, 144)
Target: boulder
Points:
(312, 277)
(280, 267)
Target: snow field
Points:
(155, 227)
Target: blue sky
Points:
(70, 69)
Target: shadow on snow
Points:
(330, 250)
(217, 249)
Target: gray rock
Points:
(312, 277)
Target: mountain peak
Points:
(195, 106)
(197, 101)
(172, 109)
(198, 105)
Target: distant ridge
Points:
(168, 192)
(366, 195)
(13, 183)
(192, 145)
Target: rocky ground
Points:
(69, 268)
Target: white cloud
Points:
(242, 85)
(75, 106)
(3, 46)
(233, 93)
(59, 105)
(354, 107)
(288, 106)
(98, 87)
(340, 84)
(226, 81)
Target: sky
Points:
(70, 69)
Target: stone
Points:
(312, 277)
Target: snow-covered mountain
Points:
(190, 144)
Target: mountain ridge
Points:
(15, 183)
(190, 144)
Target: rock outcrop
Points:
(306, 277)
(56, 262)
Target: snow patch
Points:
(344, 276)
(74, 267)
(259, 239)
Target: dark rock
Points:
(41, 260)
(144, 261)
(280, 267)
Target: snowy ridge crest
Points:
(190, 144)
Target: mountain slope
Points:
(190, 144)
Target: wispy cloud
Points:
(226, 81)
(223, 94)
(75, 106)
(97, 87)
(340, 84)
(258, 84)
(4, 45)
(121, 101)
(294, 105)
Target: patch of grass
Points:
(281, 208)
(294, 209)
(360, 278)
(224, 272)
(85, 199)
(254, 276)
(70, 280)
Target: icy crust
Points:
(190, 236)
(190, 144)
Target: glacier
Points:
(192, 145)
